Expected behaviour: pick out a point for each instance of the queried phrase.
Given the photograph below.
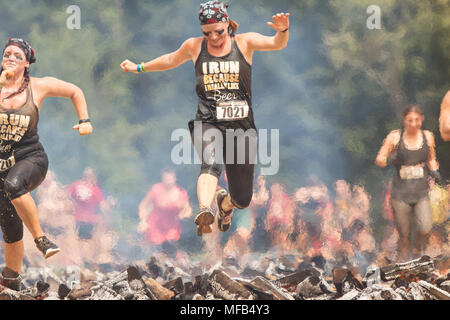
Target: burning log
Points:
(201, 284)
(416, 292)
(224, 287)
(311, 287)
(373, 276)
(175, 285)
(291, 281)
(351, 295)
(158, 290)
(138, 285)
(266, 286)
(81, 293)
(120, 277)
(434, 291)
(260, 294)
(423, 264)
(445, 286)
(379, 292)
(344, 281)
(102, 292)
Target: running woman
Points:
(412, 151)
(223, 64)
(23, 161)
(444, 118)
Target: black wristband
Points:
(285, 30)
(436, 176)
(84, 120)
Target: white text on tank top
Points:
(224, 75)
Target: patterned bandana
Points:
(213, 12)
(24, 45)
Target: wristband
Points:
(138, 68)
(142, 67)
(436, 176)
(285, 30)
(84, 120)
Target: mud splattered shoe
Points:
(223, 218)
(203, 220)
(47, 247)
(11, 279)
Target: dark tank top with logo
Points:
(410, 183)
(224, 88)
(18, 132)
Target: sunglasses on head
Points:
(207, 34)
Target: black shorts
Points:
(239, 166)
(26, 175)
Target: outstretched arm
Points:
(52, 87)
(167, 61)
(256, 41)
(444, 118)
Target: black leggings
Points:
(23, 177)
(239, 168)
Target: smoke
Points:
(57, 214)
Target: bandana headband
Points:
(213, 12)
(24, 46)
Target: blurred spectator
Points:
(314, 226)
(57, 219)
(280, 216)
(160, 212)
(89, 202)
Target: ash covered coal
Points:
(268, 276)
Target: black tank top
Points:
(18, 132)
(224, 88)
(410, 183)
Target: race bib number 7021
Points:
(411, 172)
(232, 110)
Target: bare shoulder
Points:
(193, 46)
(41, 81)
(246, 37)
(429, 136)
(446, 102)
(38, 84)
(193, 42)
(394, 136)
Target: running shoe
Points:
(203, 220)
(47, 247)
(11, 279)
(223, 218)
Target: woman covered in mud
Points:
(412, 151)
(23, 161)
(223, 67)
